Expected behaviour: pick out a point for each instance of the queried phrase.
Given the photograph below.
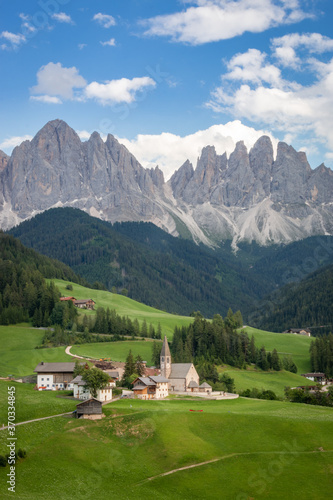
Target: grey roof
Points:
(146, 381)
(139, 387)
(193, 383)
(159, 379)
(88, 401)
(112, 374)
(179, 370)
(77, 379)
(205, 385)
(54, 367)
(165, 348)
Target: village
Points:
(180, 379)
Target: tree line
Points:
(321, 355)
(218, 342)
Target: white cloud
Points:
(15, 39)
(46, 99)
(213, 20)
(61, 17)
(55, 80)
(284, 48)
(82, 45)
(280, 104)
(170, 151)
(111, 42)
(9, 144)
(116, 91)
(104, 20)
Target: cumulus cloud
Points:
(213, 20)
(116, 91)
(104, 20)
(55, 80)
(258, 93)
(61, 17)
(170, 151)
(285, 47)
(111, 42)
(9, 144)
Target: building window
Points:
(42, 378)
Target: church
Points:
(182, 377)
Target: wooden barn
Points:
(90, 409)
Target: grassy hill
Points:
(254, 449)
(125, 307)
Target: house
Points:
(204, 387)
(317, 377)
(81, 391)
(54, 376)
(90, 409)
(85, 304)
(153, 387)
(182, 377)
(66, 299)
(299, 331)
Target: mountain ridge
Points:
(246, 197)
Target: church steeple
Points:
(165, 359)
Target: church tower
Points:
(165, 359)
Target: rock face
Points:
(247, 196)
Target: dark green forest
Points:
(169, 273)
(307, 304)
(321, 355)
(24, 294)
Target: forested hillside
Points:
(306, 304)
(155, 268)
(171, 273)
(23, 291)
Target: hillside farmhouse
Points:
(153, 387)
(299, 331)
(54, 376)
(317, 377)
(67, 299)
(81, 391)
(85, 304)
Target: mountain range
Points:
(248, 196)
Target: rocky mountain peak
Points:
(3, 160)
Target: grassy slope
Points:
(295, 345)
(32, 404)
(18, 355)
(266, 450)
(126, 307)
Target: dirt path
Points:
(37, 420)
(230, 456)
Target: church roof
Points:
(179, 370)
(204, 385)
(193, 384)
(165, 348)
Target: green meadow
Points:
(239, 449)
(125, 306)
(18, 355)
(274, 381)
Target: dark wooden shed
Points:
(91, 409)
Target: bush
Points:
(21, 453)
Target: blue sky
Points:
(168, 78)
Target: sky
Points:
(170, 77)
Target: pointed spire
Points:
(165, 348)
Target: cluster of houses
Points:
(82, 304)
(174, 377)
(299, 331)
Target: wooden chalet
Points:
(90, 409)
(85, 304)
